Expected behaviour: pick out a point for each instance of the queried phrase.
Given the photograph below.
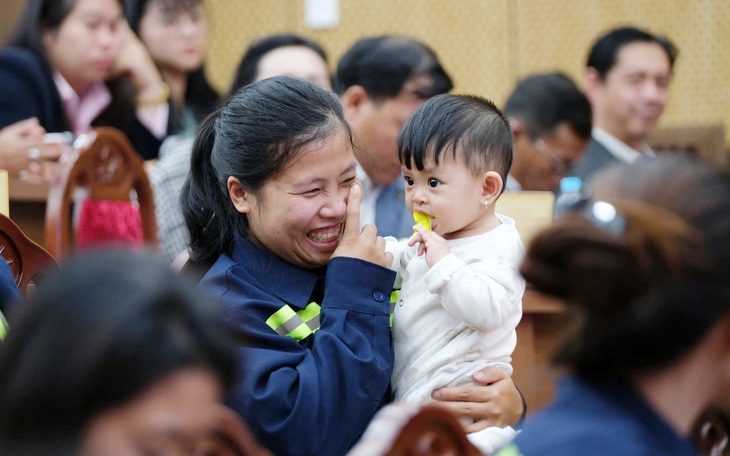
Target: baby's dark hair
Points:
(470, 127)
(640, 298)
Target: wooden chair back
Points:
(433, 432)
(711, 433)
(27, 260)
(704, 141)
(410, 429)
(107, 169)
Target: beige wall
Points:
(486, 45)
(9, 12)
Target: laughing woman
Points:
(275, 205)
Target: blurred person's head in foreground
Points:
(112, 354)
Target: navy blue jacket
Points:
(27, 90)
(315, 396)
(9, 292)
(601, 418)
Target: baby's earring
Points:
(486, 204)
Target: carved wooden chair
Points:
(405, 429)
(705, 141)
(432, 432)
(101, 197)
(711, 432)
(28, 260)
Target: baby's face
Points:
(452, 195)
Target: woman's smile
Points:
(326, 235)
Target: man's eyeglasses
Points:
(556, 163)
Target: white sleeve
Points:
(482, 294)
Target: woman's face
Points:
(170, 418)
(175, 39)
(299, 215)
(83, 48)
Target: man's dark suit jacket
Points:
(392, 216)
(27, 90)
(595, 158)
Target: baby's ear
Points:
(491, 186)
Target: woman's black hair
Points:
(96, 334)
(36, 16)
(260, 130)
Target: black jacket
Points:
(27, 90)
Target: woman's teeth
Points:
(329, 235)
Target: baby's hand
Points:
(423, 220)
(434, 246)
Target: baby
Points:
(460, 288)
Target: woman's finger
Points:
(352, 219)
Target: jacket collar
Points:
(292, 284)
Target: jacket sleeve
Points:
(482, 294)
(316, 397)
(26, 91)
(144, 142)
(402, 254)
(121, 114)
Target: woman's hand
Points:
(153, 93)
(135, 62)
(25, 153)
(366, 244)
(495, 401)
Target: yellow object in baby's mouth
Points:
(422, 220)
